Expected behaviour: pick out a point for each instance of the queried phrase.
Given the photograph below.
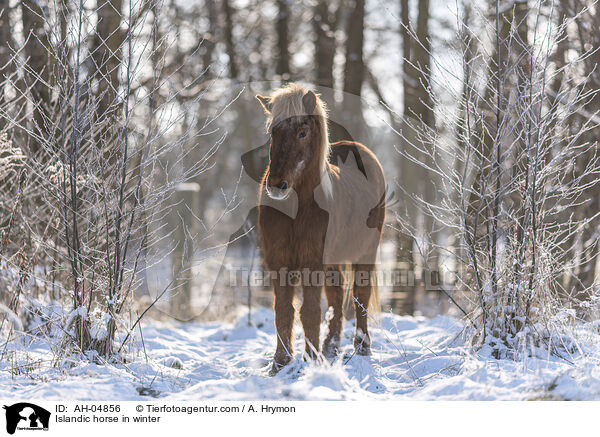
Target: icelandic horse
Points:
(321, 207)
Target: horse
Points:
(321, 207)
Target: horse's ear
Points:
(266, 103)
(309, 100)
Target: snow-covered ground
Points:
(413, 358)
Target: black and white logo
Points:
(26, 416)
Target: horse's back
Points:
(366, 161)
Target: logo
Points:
(26, 416)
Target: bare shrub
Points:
(511, 170)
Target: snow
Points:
(413, 358)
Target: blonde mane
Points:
(286, 102)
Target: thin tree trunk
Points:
(417, 114)
(404, 295)
(324, 25)
(468, 44)
(229, 12)
(354, 69)
(283, 54)
(6, 66)
(210, 38)
(422, 110)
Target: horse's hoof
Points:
(362, 345)
(279, 364)
(363, 350)
(275, 368)
(331, 350)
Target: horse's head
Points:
(296, 140)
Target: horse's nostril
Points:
(283, 185)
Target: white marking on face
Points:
(299, 167)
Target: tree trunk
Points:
(107, 58)
(416, 67)
(228, 10)
(404, 294)
(417, 116)
(210, 37)
(422, 109)
(6, 66)
(283, 55)
(324, 26)
(37, 71)
(354, 69)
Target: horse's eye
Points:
(302, 134)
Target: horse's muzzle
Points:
(278, 192)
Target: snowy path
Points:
(413, 358)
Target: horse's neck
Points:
(315, 180)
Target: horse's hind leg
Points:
(310, 315)
(362, 293)
(334, 290)
(284, 322)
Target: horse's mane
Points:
(287, 102)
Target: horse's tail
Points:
(374, 310)
(348, 301)
(375, 302)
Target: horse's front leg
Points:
(334, 290)
(310, 315)
(284, 322)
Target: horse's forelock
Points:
(287, 102)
